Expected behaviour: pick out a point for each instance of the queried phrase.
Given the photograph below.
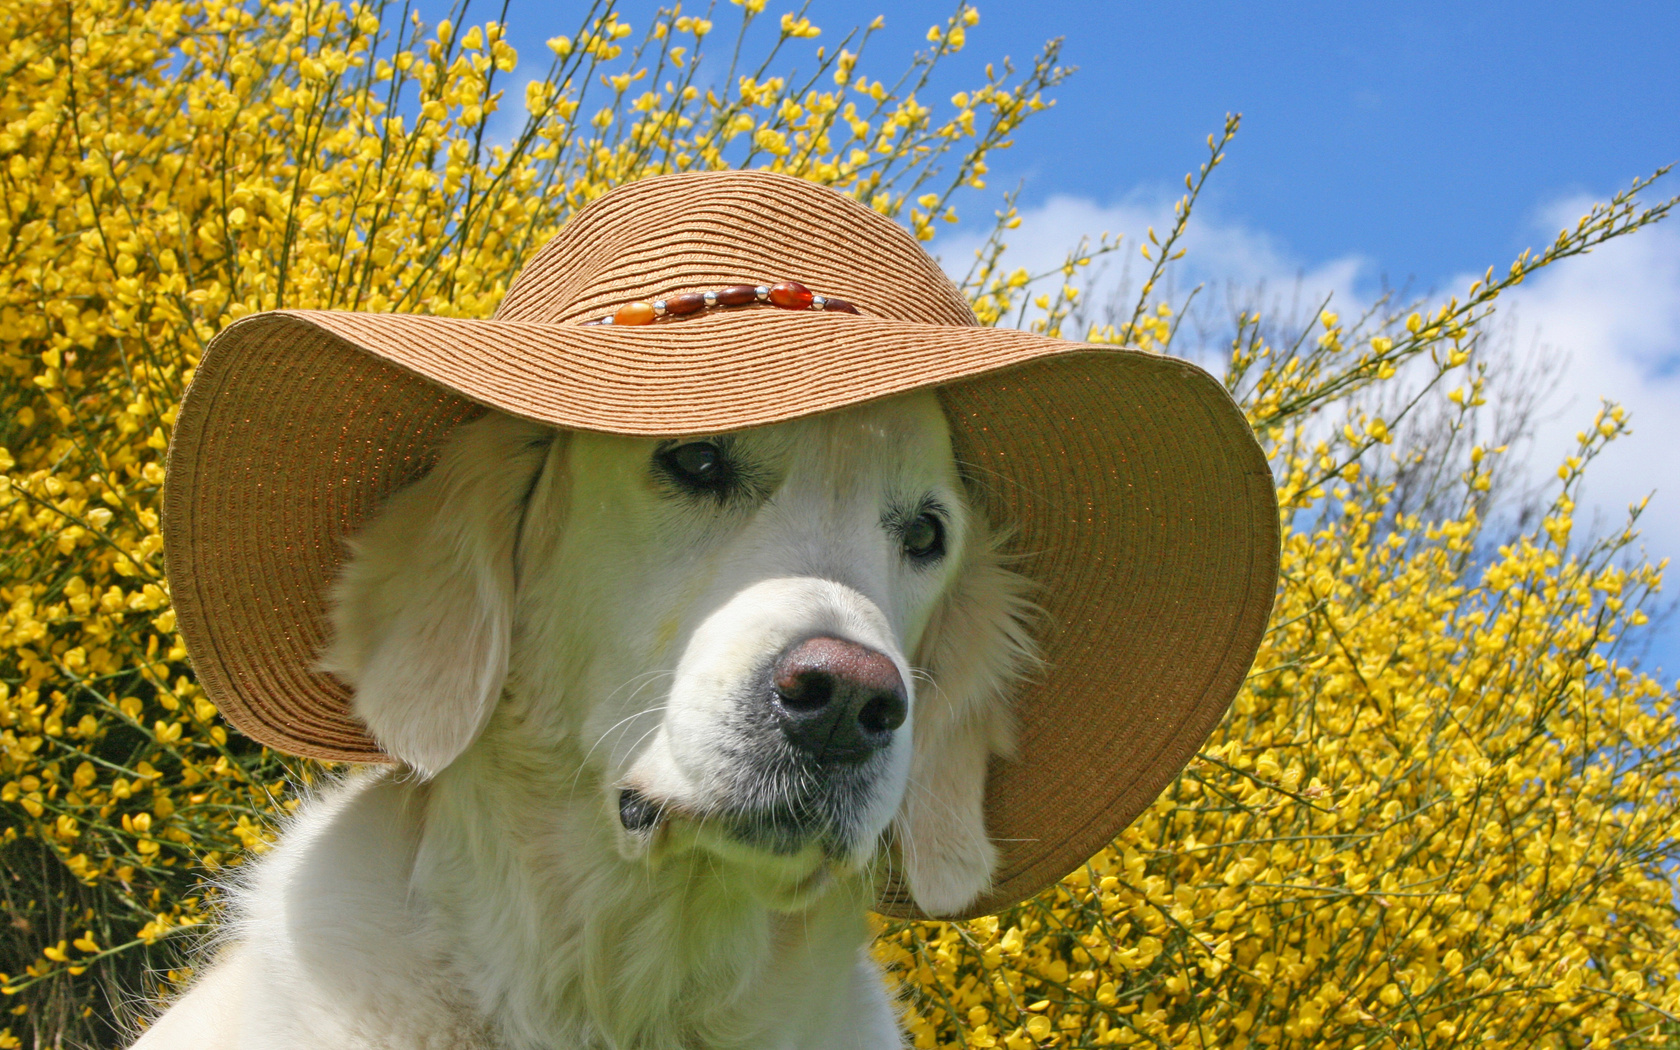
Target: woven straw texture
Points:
(1137, 496)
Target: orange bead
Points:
(791, 295)
(634, 313)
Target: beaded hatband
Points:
(789, 295)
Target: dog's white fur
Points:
(542, 622)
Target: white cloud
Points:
(1219, 255)
(1612, 316)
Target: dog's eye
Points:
(699, 466)
(924, 537)
(698, 461)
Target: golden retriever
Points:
(664, 709)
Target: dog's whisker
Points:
(583, 766)
(641, 681)
(643, 713)
(638, 681)
(645, 734)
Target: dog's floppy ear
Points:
(976, 650)
(422, 612)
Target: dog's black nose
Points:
(837, 701)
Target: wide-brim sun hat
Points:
(1134, 492)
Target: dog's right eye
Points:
(698, 466)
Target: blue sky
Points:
(1419, 135)
(1418, 143)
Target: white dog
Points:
(663, 707)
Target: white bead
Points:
(818, 302)
(763, 293)
(710, 298)
(659, 308)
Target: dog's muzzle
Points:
(805, 757)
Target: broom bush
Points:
(1443, 809)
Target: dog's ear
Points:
(422, 612)
(976, 651)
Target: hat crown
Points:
(698, 230)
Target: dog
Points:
(665, 712)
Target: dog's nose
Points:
(838, 701)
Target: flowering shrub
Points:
(1441, 810)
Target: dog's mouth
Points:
(638, 813)
(782, 830)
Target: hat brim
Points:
(1135, 492)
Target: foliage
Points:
(1439, 804)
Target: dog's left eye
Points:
(924, 537)
(699, 466)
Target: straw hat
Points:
(1136, 493)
